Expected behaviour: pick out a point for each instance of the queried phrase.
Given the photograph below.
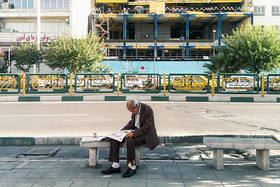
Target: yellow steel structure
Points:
(118, 84)
(184, 1)
(164, 86)
(23, 84)
(46, 82)
(262, 85)
(213, 84)
(71, 78)
(111, 1)
(8, 82)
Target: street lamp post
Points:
(214, 37)
(38, 32)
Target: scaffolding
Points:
(102, 28)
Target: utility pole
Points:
(38, 33)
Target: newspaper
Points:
(119, 136)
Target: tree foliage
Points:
(3, 66)
(250, 48)
(26, 55)
(76, 54)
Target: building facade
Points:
(267, 12)
(166, 30)
(173, 32)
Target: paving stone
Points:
(241, 184)
(48, 164)
(52, 183)
(35, 175)
(90, 183)
(204, 184)
(9, 165)
(52, 175)
(127, 184)
(69, 175)
(16, 184)
(85, 176)
(165, 184)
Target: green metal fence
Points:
(272, 83)
(9, 83)
(47, 83)
(94, 82)
(188, 83)
(225, 83)
(234, 83)
(141, 83)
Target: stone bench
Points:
(95, 145)
(262, 146)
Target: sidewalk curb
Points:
(31, 141)
(173, 98)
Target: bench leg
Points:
(137, 156)
(218, 156)
(262, 159)
(93, 156)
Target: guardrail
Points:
(47, 83)
(9, 83)
(139, 83)
(273, 83)
(238, 83)
(223, 83)
(188, 83)
(93, 82)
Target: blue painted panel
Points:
(161, 66)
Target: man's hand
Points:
(129, 135)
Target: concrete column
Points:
(220, 30)
(124, 35)
(262, 159)
(93, 156)
(218, 156)
(187, 35)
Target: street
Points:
(75, 119)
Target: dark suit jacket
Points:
(147, 126)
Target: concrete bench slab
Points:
(262, 146)
(95, 145)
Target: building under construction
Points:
(176, 30)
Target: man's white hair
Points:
(133, 103)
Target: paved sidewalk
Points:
(69, 168)
(173, 97)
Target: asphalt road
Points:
(172, 119)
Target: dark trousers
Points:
(130, 147)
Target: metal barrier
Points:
(93, 82)
(238, 83)
(9, 83)
(188, 83)
(273, 84)
(139, 83)
(47, 83)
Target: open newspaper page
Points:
(119, 136)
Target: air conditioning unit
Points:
(146, 35)
(5, 5)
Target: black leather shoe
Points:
(111, 170)
(129, 172)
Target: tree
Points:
(26, 55)
(3, 66)
(76, 54)
(250, 48)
